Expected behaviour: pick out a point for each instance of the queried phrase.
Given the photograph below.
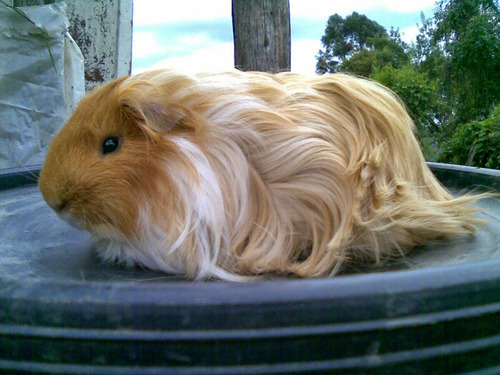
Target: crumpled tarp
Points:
(37, 93)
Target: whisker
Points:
(32, 176)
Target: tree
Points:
(476, 143)
(449, 79)
(345, 37)
(461, 46)
(416, 90)
(352, 34)
(261, 32)
(357, 44)
(385, 51)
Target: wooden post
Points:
(261, 33)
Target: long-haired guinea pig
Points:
(239, 174)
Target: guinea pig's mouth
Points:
(103, 229)
(68, 218)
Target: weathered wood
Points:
(261, 32)
(103, 31)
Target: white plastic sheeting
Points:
(37, 92)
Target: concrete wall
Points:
(103, 31)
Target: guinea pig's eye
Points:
(110, 145)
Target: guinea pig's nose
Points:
(62, 209)
(61, 206)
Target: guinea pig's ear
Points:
(145, 105)
(154, 116)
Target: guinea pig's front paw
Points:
(115, 251)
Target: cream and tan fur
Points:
(237, 174)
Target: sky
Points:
(196, 35)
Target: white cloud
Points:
(195, 40)
(146, 44)
(409, 34)
(154, 12)
(197, 49)
(304, 53)
(401, 6)
(321, 9)
(216, 58)
(197, 53)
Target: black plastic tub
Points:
(62, 311)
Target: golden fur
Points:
(234, 174)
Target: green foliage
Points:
(476, 143)
(350, 35)
(419, 95)
(461, 47)
(345, 37)
(416, 90)
(384, 52)
(358, 45)
(449, 78)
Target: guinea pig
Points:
(235, 175)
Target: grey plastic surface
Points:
(37, 244)
(63, 311)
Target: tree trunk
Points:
(261, 33)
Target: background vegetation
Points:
(449, 78)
